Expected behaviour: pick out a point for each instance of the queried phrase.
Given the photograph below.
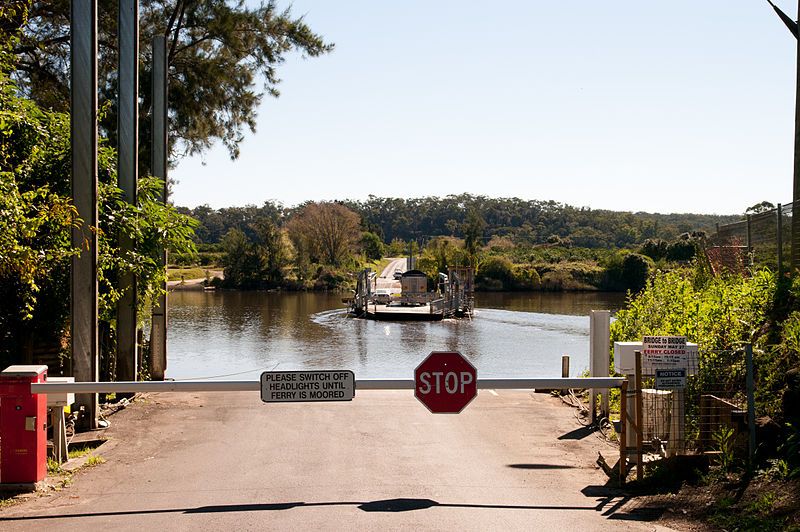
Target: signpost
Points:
(671, 379)
(303, 386)
(445, 382)
(662, 352)
(670, 361)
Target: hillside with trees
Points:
(513, 244)
(524, 222)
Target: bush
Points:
(635, 271)
(495, 273)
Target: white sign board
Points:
(300, 386)
(670, 379)
(663, 352)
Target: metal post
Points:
(751, 404)
(630, 415)
(795, 263)
(623, 447)
(127, 171)
(83, 119)
(639, 418)
(599, 341)
(158, 335)
(779, 236)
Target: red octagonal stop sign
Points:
(445, 382)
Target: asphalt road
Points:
(386, 278)
(513, 460)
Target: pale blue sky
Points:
(680, 106)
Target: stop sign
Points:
(445, 382)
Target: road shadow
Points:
(579, 433)
(540, 466)
(385, 505)
(621, 505)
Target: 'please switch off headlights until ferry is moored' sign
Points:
(299, 386)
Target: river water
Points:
(237, 335)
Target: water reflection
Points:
(240, 334)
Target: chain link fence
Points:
(762, 239)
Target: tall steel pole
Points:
(158, 334)
(83, 119)
(795, 260)
(127, 172)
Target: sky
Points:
(680, 106)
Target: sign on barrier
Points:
(301, 386)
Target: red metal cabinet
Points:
(23, 426)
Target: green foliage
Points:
(684, 249)
(720, 314)
(218, 51)
(256, 261)
(494, 274)
(36, 222)
(497, 273)
(372, 245)
(53, 467)
(150, 223)
(397, 248)
(635, 271)
(655, 248)
(325, 232)
(525, 222)
(723, 439)
(473, 236)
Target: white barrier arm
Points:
(361, 384)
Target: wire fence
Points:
(709, 410)
(762, 239)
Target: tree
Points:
(255, 259)
(473, 234)
(327, 231)
(635, 271)
(37, 219)
(758, 208)
(372, 245)
(217, 50)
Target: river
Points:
(237, 335)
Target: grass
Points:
(94, 460)
(53, 467)
(79, 452)
(176, 274)
(7, 501)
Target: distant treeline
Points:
(524, 222)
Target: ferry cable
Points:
(226, 374)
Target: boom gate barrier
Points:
(34, 464)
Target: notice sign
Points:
(670, 379)
(298, 386)
(663, 352)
